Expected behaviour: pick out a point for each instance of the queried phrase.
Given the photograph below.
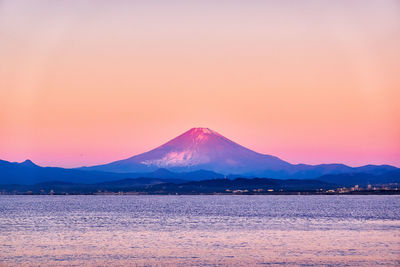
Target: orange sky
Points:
(84, 83)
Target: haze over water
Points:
(199, 230)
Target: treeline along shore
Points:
(238, 186)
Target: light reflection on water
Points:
(199, 230)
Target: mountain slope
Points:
(205, 149)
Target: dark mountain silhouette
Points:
(29, 173)
(228, 185)
(362, 179)
(27, 176)
(171, 186)
(81, 188)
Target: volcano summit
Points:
(198, 148)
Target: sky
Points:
(90, 82)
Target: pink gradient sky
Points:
(89, 82)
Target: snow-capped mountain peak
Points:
(205, 149)
(198, 148)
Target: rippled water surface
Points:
(199, 230)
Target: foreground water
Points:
(199, 230)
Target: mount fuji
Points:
(205, 149)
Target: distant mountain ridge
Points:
(197, 154)
(362, 179)
(29, 173)
(205, 149)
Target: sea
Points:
(201, 230)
